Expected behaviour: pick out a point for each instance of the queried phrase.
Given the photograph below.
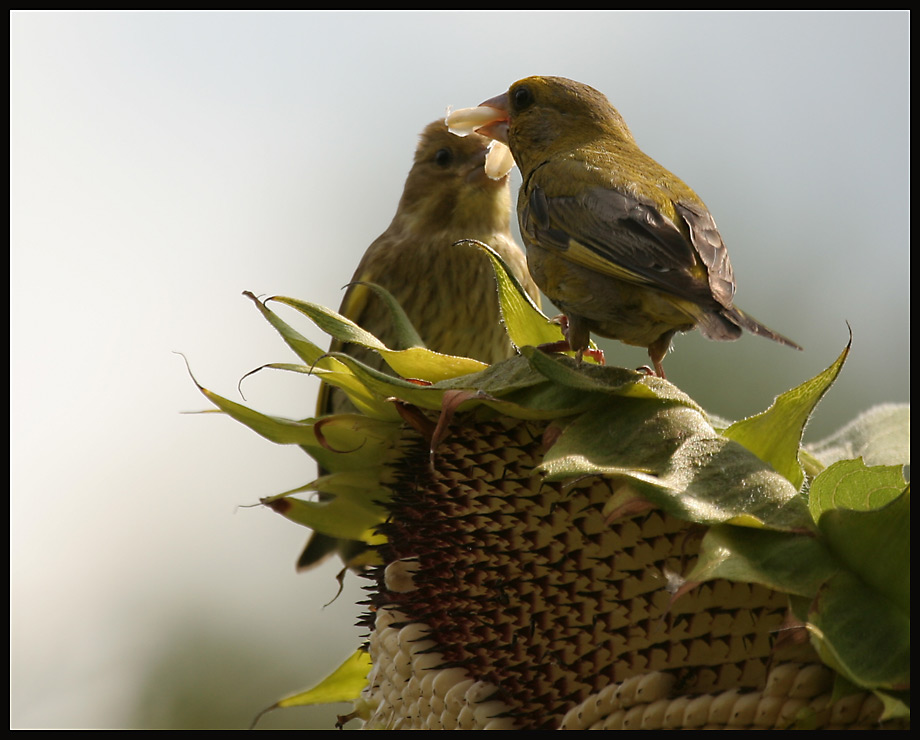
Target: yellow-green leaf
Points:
(344, 684)
(776, 434)
(415, 362)
(524, 321)
(850, 484)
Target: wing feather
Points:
(620, 235)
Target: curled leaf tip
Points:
(278, 505)
(261, 714)
(793, 631)
(321, 438)
(449, 404)
(239, 385)
(254, 298)
(189, 369)
(550, 435)
(625, 502)
(414, 417)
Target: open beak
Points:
(497, 128)
(489, 119)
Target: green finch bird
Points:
(621, 245)
(447, 290)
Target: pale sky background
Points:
(162, 163)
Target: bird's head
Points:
(448, 181)
(549, 115)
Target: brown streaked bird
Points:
(621, 245)
(447, 289)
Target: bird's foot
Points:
(658, 372)
(597, 355)
(565, 345)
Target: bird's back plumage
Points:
(624, 247)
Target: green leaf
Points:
(382, 385)
(524, 321)
(344, 684)
(336, 326)
(362, 486)
(277, 430)
(783, 561)
(415, 362)
(860, 634)
(365, 401)
(545, 401)
(668, 453)
(400, 323)
(350, 442)
(322, 364)
(349, 518)
(424, 364)
(310, 353)
(347, 441)
(776, 434)
(349, 505)
(875, 546)
(514, 388)
(500, 379)
(849, 484)
(567, 372)
(897, 705)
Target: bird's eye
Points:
(443, 157)
(521, 98)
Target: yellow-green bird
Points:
(448, 290)
(621, 245)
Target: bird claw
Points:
(597, 355)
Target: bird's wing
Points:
(618, 234)
(706, 240)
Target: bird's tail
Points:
(740, 318)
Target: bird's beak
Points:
(477, 162)
(489, 119)
(498, 128)
(499, 102)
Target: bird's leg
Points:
(658, 349)
(577, 338)
(578, 335)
